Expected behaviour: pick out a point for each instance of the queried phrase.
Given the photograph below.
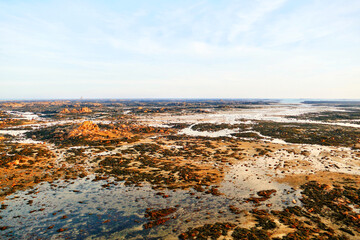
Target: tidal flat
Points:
(179, 169)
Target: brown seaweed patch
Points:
(158, 216)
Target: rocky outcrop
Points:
(86, 128)
(74, 110)
(85, 110)
(65, 110)
(13, 104)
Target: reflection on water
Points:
(107, 209)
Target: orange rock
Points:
(82, 110)
(88, 125)
(86, 128)
(85, 110)
(65, 110)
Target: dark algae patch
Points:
(341, 204)
(250, 234)
(327, 212)
(332, 116)
(322, 134)
(160, 165)
(210, 127)
(208, 231)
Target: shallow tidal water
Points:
(106, 209)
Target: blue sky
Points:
(180, 49)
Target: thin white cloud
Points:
(248, 17)
(310, 22)
(232, 44)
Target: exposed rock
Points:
(74, 110)
(13, 104)
(85, 110)
(266, 193)
(88, 125)
(65, 110)
(85, 128)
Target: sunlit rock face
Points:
(74, 110)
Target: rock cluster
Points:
(82, 110)
(85, 110)
(86, 128)
(65, 110)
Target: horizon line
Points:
(176, 98)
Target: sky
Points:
(179, 49)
